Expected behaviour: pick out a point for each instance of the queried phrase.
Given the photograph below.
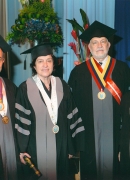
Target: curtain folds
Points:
(17, 61)
(3, 18)
(122, 25)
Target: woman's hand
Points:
(22, 155)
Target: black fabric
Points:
(11, 91)
(47, 91)
(4, 45)
(3, 72)
(81, 83)
(42, 49)
(97, 29)
(125, 137)
(74, 165)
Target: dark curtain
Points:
(122, 25)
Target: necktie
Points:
(100, 63)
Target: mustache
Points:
(99, 49)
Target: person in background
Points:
(97, 86)
(125, 137)
(8, 148)
(49, 128)
(2, 69)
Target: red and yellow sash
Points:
(102, 76)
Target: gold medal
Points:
(55, 129)
(101, 95)
(5, 119)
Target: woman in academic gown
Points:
(49, 129)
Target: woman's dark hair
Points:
(33, 64)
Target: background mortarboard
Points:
(4, 45)
(97, 29)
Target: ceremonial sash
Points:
(51, 104)
(102, 76)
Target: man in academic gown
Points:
(49, 128)
(97, 85)
(8, 151)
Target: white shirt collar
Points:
(103, 62)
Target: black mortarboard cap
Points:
(115, 39)
(97, 29)
(42, 49)
(4, 45)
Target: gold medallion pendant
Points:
(5, 119)
(101, 95)
(55, 129)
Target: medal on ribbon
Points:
(52, 104)
(5, 119)
(101, 95)
(102, 77)
(55, 129)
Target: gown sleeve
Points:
(72, 78)
(22, 118)
(76, 129)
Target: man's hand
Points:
(70, 156)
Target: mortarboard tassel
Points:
(25, 63)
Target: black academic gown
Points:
(11, 89)
(3, 73)
(81, 83)
(27, 137)
(125, 137)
